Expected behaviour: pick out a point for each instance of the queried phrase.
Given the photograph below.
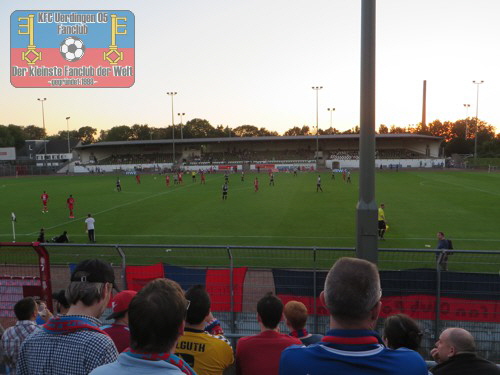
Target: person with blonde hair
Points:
(296, 318)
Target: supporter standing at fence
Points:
(45, 201)
(455, 353)
(119, 331)
(260, 354)
(71, 205)
(296, 319)
(382, 225)
(13, 337)
(352, 296)
(156, 320)
(90, 227)
(442, 256)
(203, 345)
(401, 331)
(74, 344)
(61, 306)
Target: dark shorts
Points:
(381, 224)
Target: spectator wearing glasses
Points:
(74, 344)
(156, 320)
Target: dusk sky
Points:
(254, 62)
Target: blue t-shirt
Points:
(351, 352)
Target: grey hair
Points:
(352, 289)
(88, 293)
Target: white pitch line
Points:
(112, 208)
(422, 183)
(251, 236)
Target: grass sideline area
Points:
(418, 204)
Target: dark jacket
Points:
(466, 364)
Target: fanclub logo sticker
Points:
(75, 49)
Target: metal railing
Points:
(467, 295)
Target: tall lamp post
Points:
(477, 83)
(171, 94)
(317, 88)
(467, 106)
(331, 110)
(67, 126)
(181, 114)
(44, 133)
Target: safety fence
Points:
(462, 292)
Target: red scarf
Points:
(70, 324)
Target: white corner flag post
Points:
(13, 216)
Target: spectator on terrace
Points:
(156, 320)
(401, 331)
(74, 344)
(296, 319)
(203, 345)
(442, 256)
(26, 312)
(352, 296)
(61, 305)
(455, 353)
(260, 354)
(119, 331)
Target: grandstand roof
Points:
(255, 139)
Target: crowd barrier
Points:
(467, 295)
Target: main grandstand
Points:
(251, 153)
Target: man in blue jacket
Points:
(352, 296)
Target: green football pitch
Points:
(418, 203)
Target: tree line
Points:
(458, 136)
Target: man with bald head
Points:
(455, 353)
(352, 296)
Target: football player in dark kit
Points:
(224, 191)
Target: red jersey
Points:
(70, 201)
(45, 197)
(167, 180)
(203, 176)
(120, 334)
(260, 354)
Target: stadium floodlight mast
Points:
(366, 209)
(44, 133)
(467, 106)
(171, 94)
(67, 127)
(331, 110)
(181, 114)
(317, 88)
(477, 83)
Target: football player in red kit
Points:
(45, 200)
(71, 204)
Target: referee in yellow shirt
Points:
(381, 222)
